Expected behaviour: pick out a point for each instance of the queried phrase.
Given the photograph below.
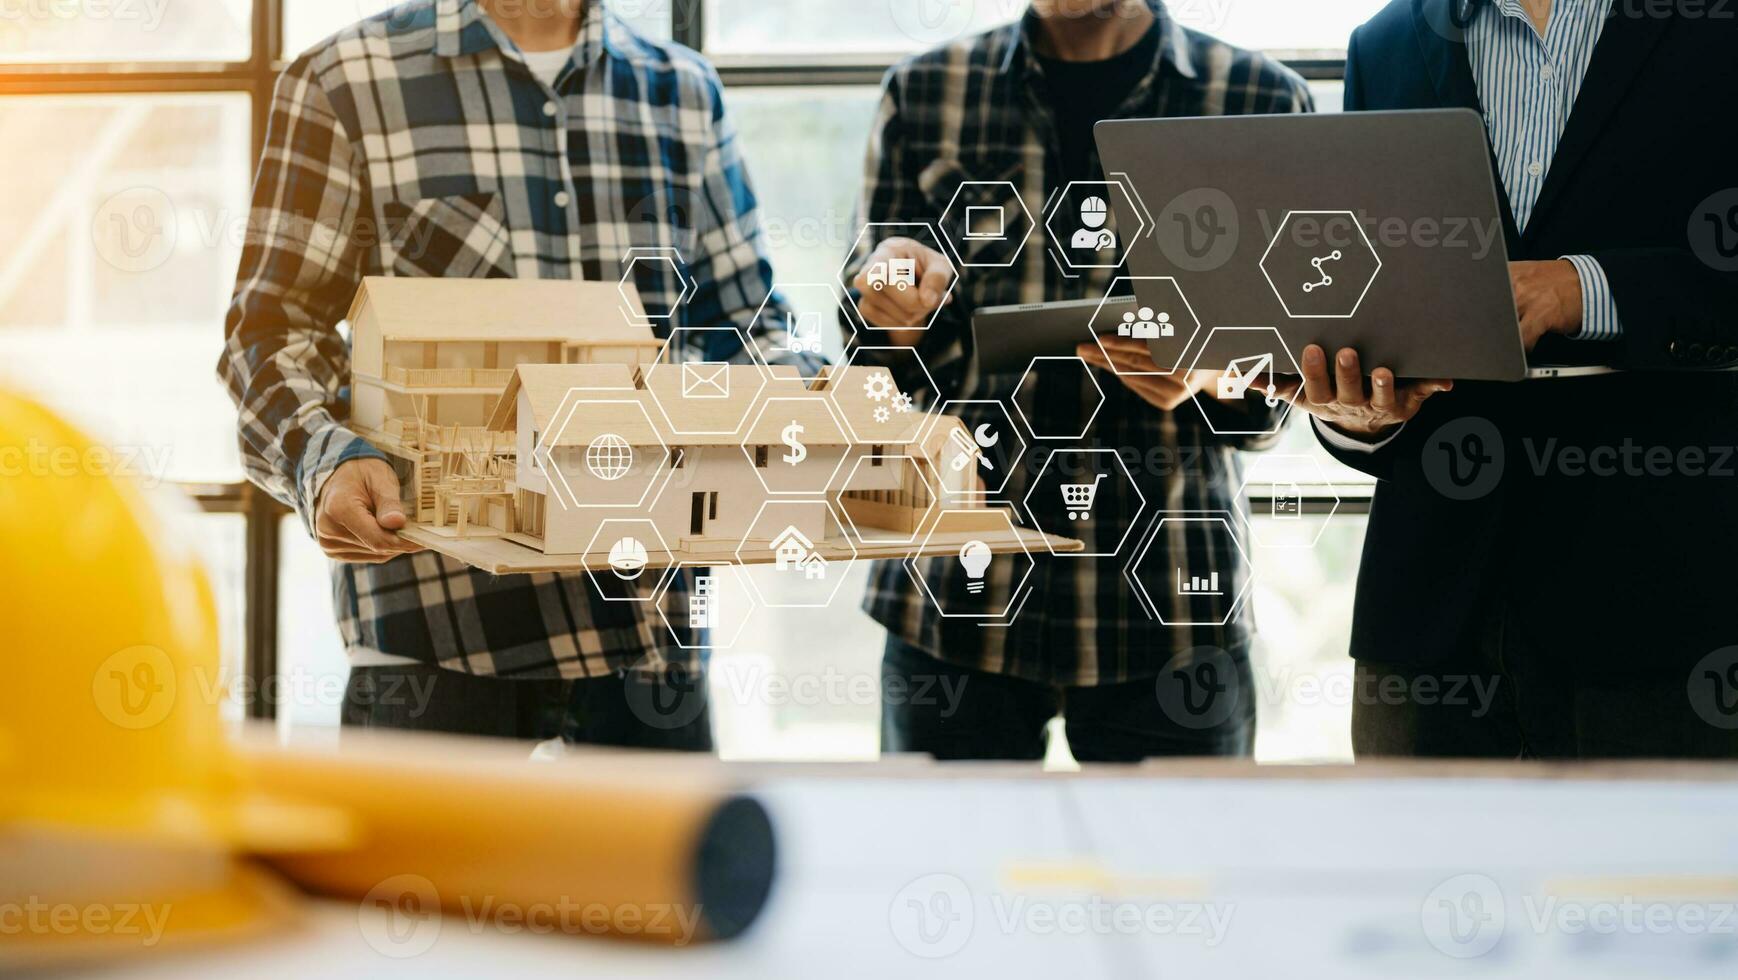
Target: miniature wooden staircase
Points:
(428, 473)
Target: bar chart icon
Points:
(1198, 585)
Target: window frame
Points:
(257, 76)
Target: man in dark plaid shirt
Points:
(1017, 104)
(543, 140)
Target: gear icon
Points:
(901, 402)
(882, 414)
(878, 388)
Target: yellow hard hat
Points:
(112, 751)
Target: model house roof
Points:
(546, 385)
(609, 403)
(865, 413)
(698, 390)
(502, 310)
(820, 425)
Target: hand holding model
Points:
(359, 515)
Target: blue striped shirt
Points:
(1528, 84)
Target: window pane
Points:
(306, 22)
(1303, 604)
(219, 542)
(311, 660)
(804, 148)
(754, 27)
(146, 30)
(119, 239)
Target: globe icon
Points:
(609, 456)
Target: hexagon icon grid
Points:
(852, 481)
(1011, 220)
(1027, 378)
(705, 397)
(805, 325)
(1252, 383)
(985, 445)
(1318, 273)
(1184, 589)
(1169, 325)
(722, 612)
(1284, 524)
(790, 530)
(895, 274)
(1084, 228)
(796, 445)
(979, 567)
(870, 401)
(617, 584)
(662, 255)
(1068, 498)
(607, 458)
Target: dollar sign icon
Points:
(799, 452)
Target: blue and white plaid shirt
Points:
(976, 110)
(1528, 84)
(423, 125)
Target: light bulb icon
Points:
(975, 559)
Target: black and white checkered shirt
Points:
(976, 110)
(424, 125)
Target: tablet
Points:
(1007, 338)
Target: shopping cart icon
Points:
(1079, 498)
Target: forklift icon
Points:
(901, 274)
(803, 332)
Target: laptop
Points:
(985, 223)
(1380, 231)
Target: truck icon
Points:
(901, 274)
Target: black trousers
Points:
(956, 713)
(1513, 698)
(629, 709)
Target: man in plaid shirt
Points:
(540, 140)
(1017, 105)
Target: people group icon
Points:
(1143, 325)
(1093, 235)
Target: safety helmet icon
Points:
(1094, 211)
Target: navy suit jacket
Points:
(1592, 544)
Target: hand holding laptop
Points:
(1342, 400)
(1547, 300)
(901, 284)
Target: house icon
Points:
(792, 549)
(814, 568)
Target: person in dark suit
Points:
(1563, 546)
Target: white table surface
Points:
(1090, 876)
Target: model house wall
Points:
(703, 490)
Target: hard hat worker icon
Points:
(1094, 212)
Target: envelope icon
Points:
(706, 379)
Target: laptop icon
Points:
(985, 223)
